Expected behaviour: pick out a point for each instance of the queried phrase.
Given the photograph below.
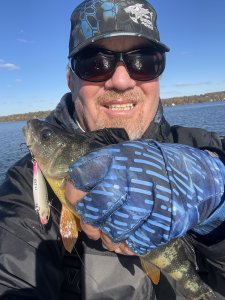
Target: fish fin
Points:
(57, 187)
(69, 226)
(151, 270)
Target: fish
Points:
(55, 150)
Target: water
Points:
(206, 115)
(11, 150)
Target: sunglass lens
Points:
(95, 66)
(145, 65)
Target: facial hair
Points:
(134, 128)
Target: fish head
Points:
(53, 148)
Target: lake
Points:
(205, 115)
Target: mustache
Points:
(113, 95)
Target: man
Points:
(116, 59)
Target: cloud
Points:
(192, 84)
(18, 80)
(24, 41)
(9, 66)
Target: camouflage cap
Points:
(93, 20)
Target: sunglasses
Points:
(97, 65)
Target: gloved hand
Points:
(146, 193)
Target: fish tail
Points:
(172, 259)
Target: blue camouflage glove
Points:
(146, 193)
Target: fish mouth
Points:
(24, 129)
(27, 133)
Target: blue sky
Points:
(34, 38)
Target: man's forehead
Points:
(122, 43)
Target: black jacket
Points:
(34, 264)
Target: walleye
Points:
(55, 150)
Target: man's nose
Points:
(120, 79)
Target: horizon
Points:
(162, 99)
(35, 34)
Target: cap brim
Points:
(88, 42)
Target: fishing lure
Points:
(40, 194)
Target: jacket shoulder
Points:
(196, 137)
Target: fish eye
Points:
(46, 134)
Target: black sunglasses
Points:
(97, 64)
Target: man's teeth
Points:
(121, 106)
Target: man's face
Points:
(120, 101)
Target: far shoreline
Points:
(209, 97)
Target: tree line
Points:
(208, 97)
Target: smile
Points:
(128, 106)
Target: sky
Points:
(34, 37)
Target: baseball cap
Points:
(93, 20)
